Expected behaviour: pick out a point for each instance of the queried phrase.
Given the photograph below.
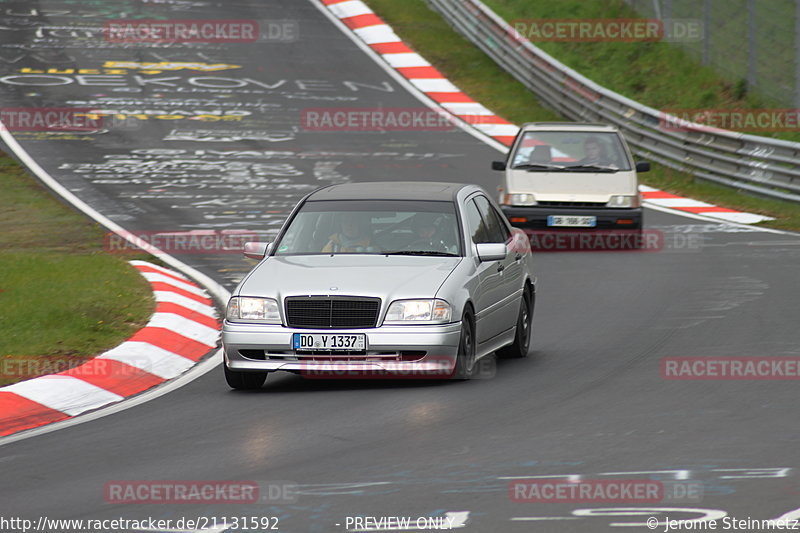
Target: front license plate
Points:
(326, 341)
(571, 221)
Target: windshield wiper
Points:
(421, 252)
(600, 168)
(539, 166)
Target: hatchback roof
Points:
(569, 126)
(389, 190)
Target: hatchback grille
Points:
(331, 312)
(572, 204)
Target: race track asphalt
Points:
(589, 401)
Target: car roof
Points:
(568, 126)
(390, 190)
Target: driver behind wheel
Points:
(595, 153)
(426, 233)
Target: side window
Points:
(523, 153)
(475, 225)
(504, 231)
(495, 229)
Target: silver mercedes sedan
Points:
(384, 279)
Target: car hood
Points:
(573, 186)
(385, 277)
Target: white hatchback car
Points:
(571, 175)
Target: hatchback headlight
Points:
(246, 309)
(520, 199)
(411, 311)
(624, 201)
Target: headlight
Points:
(244, 309)
(520, 199)
(405, 311)
(624, 201)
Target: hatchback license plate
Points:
(572, 221)
(329, 341)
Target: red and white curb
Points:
(687, 205)
(381, 38)
(182, 330)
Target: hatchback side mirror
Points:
(643, 166)
(256, 250)
(498, 165)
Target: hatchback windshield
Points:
(572, 151)
(373, 227)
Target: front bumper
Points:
(607, 217)
(403, 350)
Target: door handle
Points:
(518, 257)
(500, 267)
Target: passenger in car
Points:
(541, 154)
(353, 237)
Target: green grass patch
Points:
(657, 74)
(63, 299)
(480, 77)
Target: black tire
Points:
(639, 237)
(465, 360)
(522, 338)
(244, 380)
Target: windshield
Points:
(574, 151)
(373, 227)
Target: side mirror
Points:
(256, 250)
(498, 165)
(643, 166)
(491, 251)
